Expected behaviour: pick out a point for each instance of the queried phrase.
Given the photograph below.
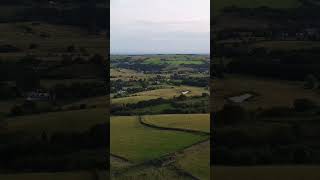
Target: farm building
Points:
(185, 92)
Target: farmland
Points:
(159, 114)
(143, 143)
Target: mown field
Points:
(140, 143)
(267, 173)
(166, 93)
(198, 122)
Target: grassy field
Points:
(151, 173)
(219, 5)
(126, 74)
(140, 143)
(165, 93)
(196, 160)
(61, 121)
(199, 122)
(267, 173)
(268, 92)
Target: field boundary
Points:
(142, 122)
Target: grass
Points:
(196, 160)
(199, 122)
(165, 93)
(269, 92)
(149, 172)
(138, 143)
(267, 173)
(80, 120)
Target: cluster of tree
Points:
(56, 151)
(176, 105)
(141, 67)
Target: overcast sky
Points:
(160, 26)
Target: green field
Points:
(80, 120)
(196, 160)
(140, 143)
(267, 173)
(198, 122)
(165, 93)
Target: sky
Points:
(160, 26)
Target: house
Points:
(185, 92)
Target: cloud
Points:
(166, 25)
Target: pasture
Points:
(166, 93)
(140, 143)
(196, 160)
(198, 122)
